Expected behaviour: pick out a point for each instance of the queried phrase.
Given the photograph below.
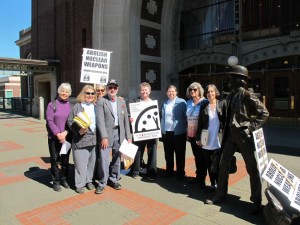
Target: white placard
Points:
(261, 150)
(146, 122)
(282, 179)
(295, 202)
(65, 147)
(95, 66)
(128, 149)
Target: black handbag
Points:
(216, 157)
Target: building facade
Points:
(10, 87)
(173, 41)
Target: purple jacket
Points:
(57, 121)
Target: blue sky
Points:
(15, 15)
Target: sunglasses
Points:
(112, 87)
(89, 93)
(102, 90)
(193, 89)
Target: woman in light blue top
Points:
(210, 119)
(173, 125)
(195, 93)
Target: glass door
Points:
(282, 94)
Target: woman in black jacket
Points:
(210, 122)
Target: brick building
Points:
(172, 41)
(10, 87)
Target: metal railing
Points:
(16, 104)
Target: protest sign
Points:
(261, 151)
(95, 66)
(146, 124)
(295, 202)
(280, 178)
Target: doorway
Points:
(282, 92)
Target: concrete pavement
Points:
(26, 196)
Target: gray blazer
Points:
(105, 119)
(80, 141)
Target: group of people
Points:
(214, 128)
(91, 146)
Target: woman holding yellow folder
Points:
(82, 123)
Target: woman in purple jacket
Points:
(57, 115)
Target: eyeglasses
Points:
(112, 87)
(193, 89)
(102, 90)
(89, 93)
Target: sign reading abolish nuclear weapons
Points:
(146, 124)
(95, 66)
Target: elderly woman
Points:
(195, 94)
(173, 126)
(211, 119)
(84, 140)
(101, 90)
(56, 115)
(151, 144)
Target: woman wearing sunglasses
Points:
(84, 140)
(195, 94)
(101, 90)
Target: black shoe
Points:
(202, 186)
(210, 189)
(90, 186)
(116, 186)
(215, 200)
(57, 187)
(79, 190)
(151, 177)
(135, 176)
(65, 184)
(256, 208)
(99, 190)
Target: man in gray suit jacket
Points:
(113, 126)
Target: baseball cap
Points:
(112, 82)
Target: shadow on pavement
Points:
(43, 176)
(240, 209)
(233, 205)
(39, 175)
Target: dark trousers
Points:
(213, 177)
(201, 168)
(245, 145)
(152, 154)
(175, 144)
(55, 159)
